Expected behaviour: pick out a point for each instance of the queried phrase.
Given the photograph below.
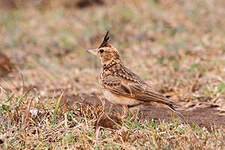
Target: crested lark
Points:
(122, 86)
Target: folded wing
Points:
(136, 90)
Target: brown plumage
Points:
(122, 86)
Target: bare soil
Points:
(204, 117)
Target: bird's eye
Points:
(101, 50)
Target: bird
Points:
(122, 86)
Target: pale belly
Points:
(120, 99)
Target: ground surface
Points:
(176, 46)
(203, 116)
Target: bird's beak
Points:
(93, 51)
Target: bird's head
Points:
(106, 52)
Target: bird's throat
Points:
(113, 65)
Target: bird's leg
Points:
(134, 113)
(125, 111)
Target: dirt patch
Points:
(5, 65)
(206, 117)
(203, 117)
(86, 3)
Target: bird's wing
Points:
(135, 90)
(115, 85)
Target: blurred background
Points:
(176, 45)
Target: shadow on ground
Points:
(203, 117)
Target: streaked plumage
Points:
(122, 86)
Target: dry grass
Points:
(178, 46)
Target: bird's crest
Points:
(105, 41)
